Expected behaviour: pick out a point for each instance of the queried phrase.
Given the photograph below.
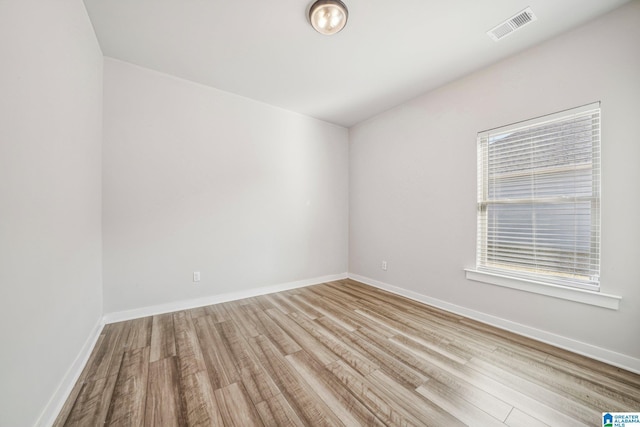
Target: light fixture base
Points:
(328, 17)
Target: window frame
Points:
(502, 274)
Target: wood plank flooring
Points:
(336, 354)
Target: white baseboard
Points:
(215, 299)
(57, 401)
(598, 353)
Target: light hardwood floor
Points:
(340, 353)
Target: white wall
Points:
(413, 180)
(196, 179)
(50, 180)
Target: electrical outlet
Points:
(384, 265)
(196, 276)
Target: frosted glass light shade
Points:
(328, 16)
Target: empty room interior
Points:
(322, 212)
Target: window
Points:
(539, 199)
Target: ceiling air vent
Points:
(507, 27)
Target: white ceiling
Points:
(389, 52)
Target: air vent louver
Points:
(516, 22)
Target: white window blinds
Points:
(539, 199)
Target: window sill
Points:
(599, 299)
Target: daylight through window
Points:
(539, 199)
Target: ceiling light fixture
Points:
(328, 16)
